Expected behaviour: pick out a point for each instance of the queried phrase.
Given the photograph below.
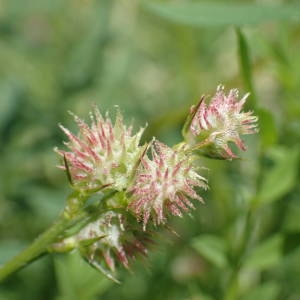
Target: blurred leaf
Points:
(281, 177)
(77, 280)
(9, 103)
(46, 203)
(268, 131)
(245, 65)
(266, 291)
(292, 219)
(87, 54)
(211, 247)
(14, 8)
(218, 14)
(202, 296)
(265, 255)
(10, 248)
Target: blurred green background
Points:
(154, 60)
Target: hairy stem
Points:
(37, 248)
(41, 245)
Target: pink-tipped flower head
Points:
(113, 239)
(102, 153)
(164, 184)
(210, 128)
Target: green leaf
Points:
(268, 131)
(245, 65)
(86, 57)
(46, 203)
(266, 291)
(202, 296)
(15, 8)
(212, 248)
(265, 255)
(292, 219)
(220, 14)
(77, 280)
(10, 102)
(281, 177)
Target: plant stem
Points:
(33, 251)
(41, 244)
(232, 289)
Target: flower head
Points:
(102, 153)
(210, 128)
(164, 184)
(114, 238)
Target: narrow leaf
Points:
(212, 248)
(266, 291)
(77, 280)
(265, 255)
(221, 14)
(245, 64)
(281, 177)
(268, 131)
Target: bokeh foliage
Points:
(154, 60)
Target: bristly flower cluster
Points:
(164, 184)
(210, 128)
(103, 153)
(146, 183)
(110, 240)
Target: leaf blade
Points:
(212, 14)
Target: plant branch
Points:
(41, 245)
(37, 248)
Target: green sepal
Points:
(190, 117)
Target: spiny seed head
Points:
(164, 184)
(102, 153)
(209, 128)
(111, 239)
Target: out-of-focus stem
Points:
(231, 291)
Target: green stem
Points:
(37, 248)
(43, 242)
(232, 289)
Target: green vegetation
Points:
(155, 59)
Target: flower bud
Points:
(164, 184)
(102, 154)
(210, 128)
(114, 238)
